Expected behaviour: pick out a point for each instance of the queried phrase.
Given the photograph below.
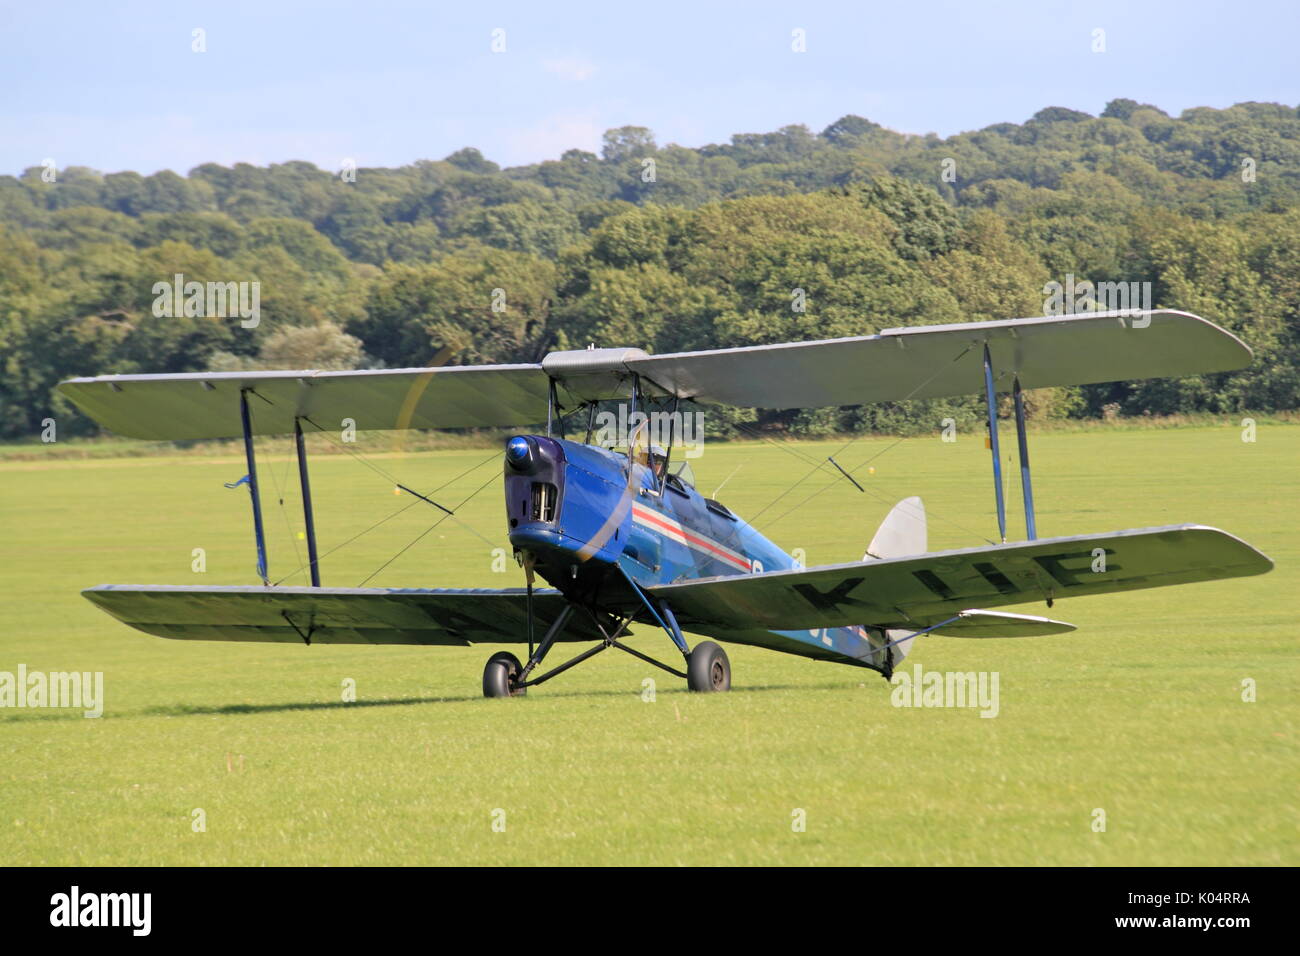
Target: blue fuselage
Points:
(580, 515)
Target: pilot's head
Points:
(658, 460)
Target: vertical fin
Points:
(902, 533)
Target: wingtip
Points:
(1261, 562)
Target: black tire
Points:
(708, 669)
(500, 674)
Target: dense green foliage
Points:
(772, 237)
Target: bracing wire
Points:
(406, 507)
(418, 537)
(375, 468)
(820, 465)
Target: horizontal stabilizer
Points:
(977, 623)
(919, 591)
(336, 615)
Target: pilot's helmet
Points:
(658, 458)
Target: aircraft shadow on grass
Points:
(198, 710)
(187, 710)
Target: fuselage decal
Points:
(675, 531)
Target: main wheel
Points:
(708, 669)
(500, 674)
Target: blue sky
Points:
(116, 85)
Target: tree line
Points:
(771, 237)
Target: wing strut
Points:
(312, 561)
(1026, 487)
(1022, 441)
(252, 486)
(991, 400)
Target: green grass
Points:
(1138, 713)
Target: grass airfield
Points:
(1139, 713)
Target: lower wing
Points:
(923, 590)
(337, 615)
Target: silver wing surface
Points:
(206, 404)
(897, 364)
(337, 615)
(916, 592)
(943, 360)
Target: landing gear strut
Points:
(707, 667)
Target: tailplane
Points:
(903, 534)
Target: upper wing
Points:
(336, 615)
(921, 362)
(941, 360)
(206, 404)
(926, 589)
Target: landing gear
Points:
(707, 668)
(501, 676)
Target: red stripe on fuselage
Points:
(665, 524)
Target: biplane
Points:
(624, 536)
